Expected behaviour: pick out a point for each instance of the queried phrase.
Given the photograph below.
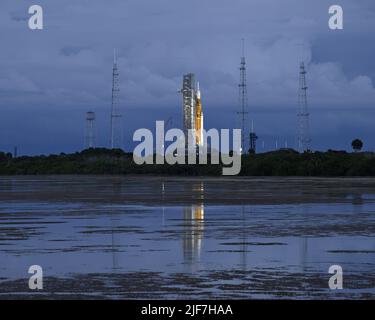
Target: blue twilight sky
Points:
(50, 78)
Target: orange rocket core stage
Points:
(199, 119)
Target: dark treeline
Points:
(276, 163)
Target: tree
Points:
(357, 145)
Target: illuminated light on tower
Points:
(303, 139)
(115, 128)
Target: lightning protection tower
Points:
(115, 128)
(243, 97)
(303, 113)
(90, 127)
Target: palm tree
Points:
(357, 145)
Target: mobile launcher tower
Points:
(192, 108)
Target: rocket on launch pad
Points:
(199, 118)
(192, 108)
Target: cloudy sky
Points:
(50, 78)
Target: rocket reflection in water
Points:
(194, 232)
(194, 226)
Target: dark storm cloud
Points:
(16, 16)
(54, 76)
(71, 50)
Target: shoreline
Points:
(174, 190)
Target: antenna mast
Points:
(303, 113)
(115, 140)
(243, 97)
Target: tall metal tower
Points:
(243, 97)
(303, 113)
(90, 127)
(189, 102)
(116, 132)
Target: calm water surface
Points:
(119, 237)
